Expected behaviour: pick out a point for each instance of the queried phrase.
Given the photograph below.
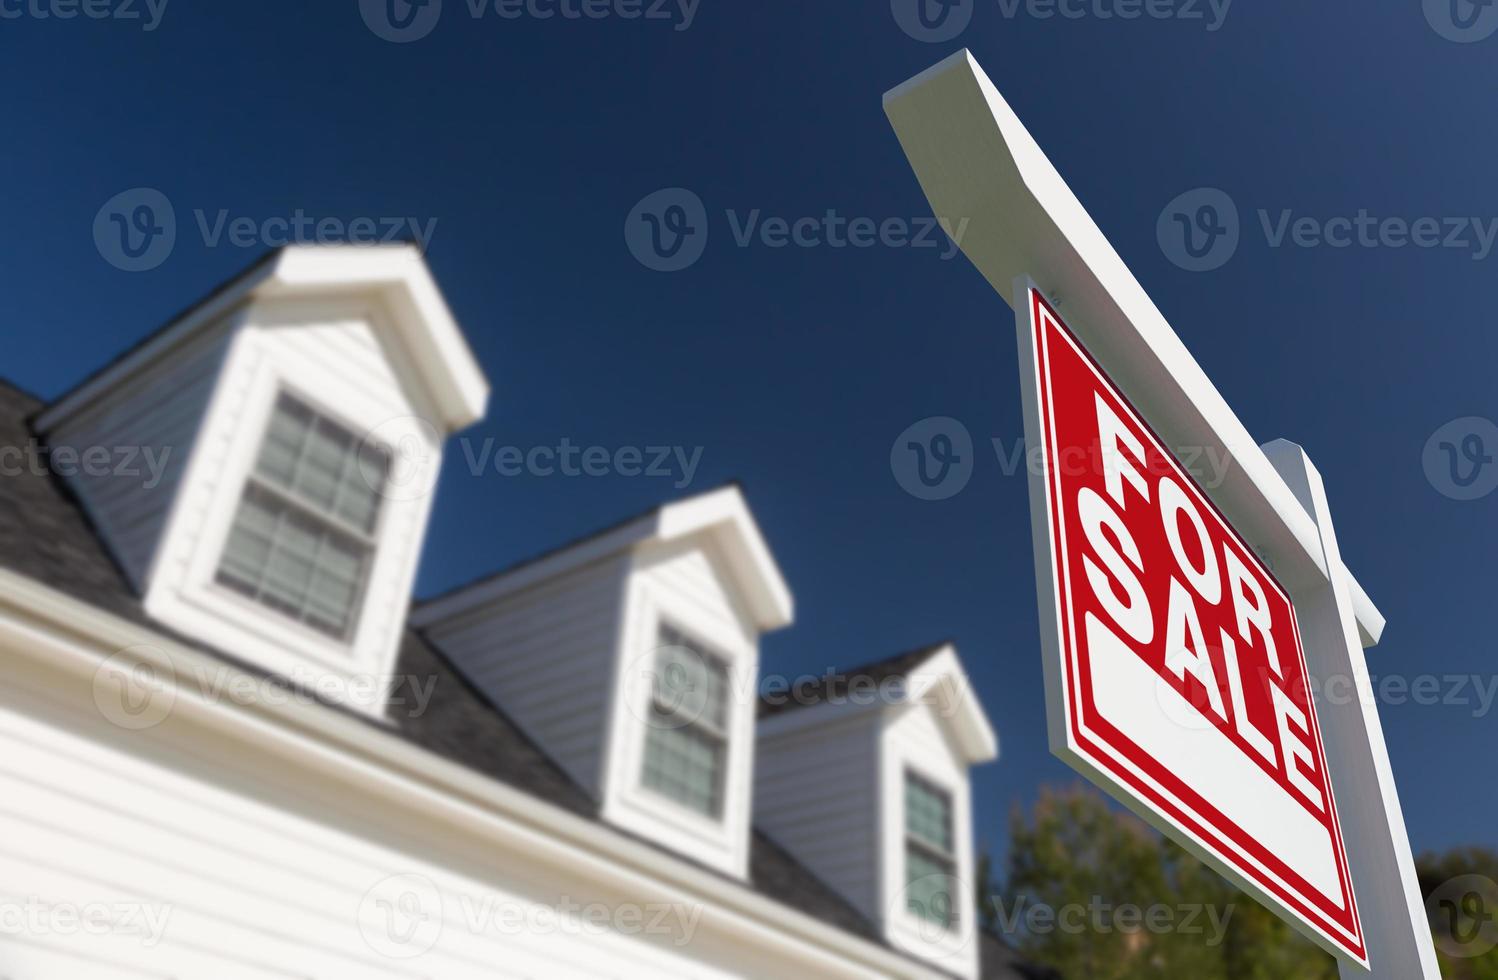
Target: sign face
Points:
(1175, 672)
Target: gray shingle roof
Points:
(46, 535)
(842, 684)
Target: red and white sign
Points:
(1180, 675)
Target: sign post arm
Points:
(1396, 929)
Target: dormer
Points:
(632, 658)
(863, 776)
(288, 431)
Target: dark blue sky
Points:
(795, 369)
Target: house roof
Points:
(394, 276)
(832, 687)
(719, 514)
(46, 535)
(932, 676)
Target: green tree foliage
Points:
(1095, 893)
(1461, 898)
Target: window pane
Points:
(284, 438)
(683, 763)
(318, 478)
(287, 547)
(690, 683)
(928, 814)
(930, 887)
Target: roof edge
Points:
(721, 512)
(396, 273)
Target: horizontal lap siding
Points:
(160, 411)
(258, 870)
(546, 656)
(817, 795)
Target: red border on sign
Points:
(1137, 774)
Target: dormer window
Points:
(686, 745)
(930, 855)
(303, 538)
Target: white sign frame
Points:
(978, 164)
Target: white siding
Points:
(916, 739)
(817, 793)
(260, 867)
(683, 584)
(546, 655)
(337, 359)
(160, 411)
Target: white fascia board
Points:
(941, 683)
(725, 512)
(721, 512)
(396, 274)
(399, 274)
(74, 639)
(979, 166)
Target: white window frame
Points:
(332, 523)
(722, 734)
(932, 851)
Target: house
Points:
(236, 749)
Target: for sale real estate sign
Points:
(1175, 669)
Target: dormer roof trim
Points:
(720, 515)
(396, 275)
(931, 676)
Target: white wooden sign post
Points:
(1188, 629)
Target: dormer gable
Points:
(863, 775)
(299, 414)
(632, 658)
